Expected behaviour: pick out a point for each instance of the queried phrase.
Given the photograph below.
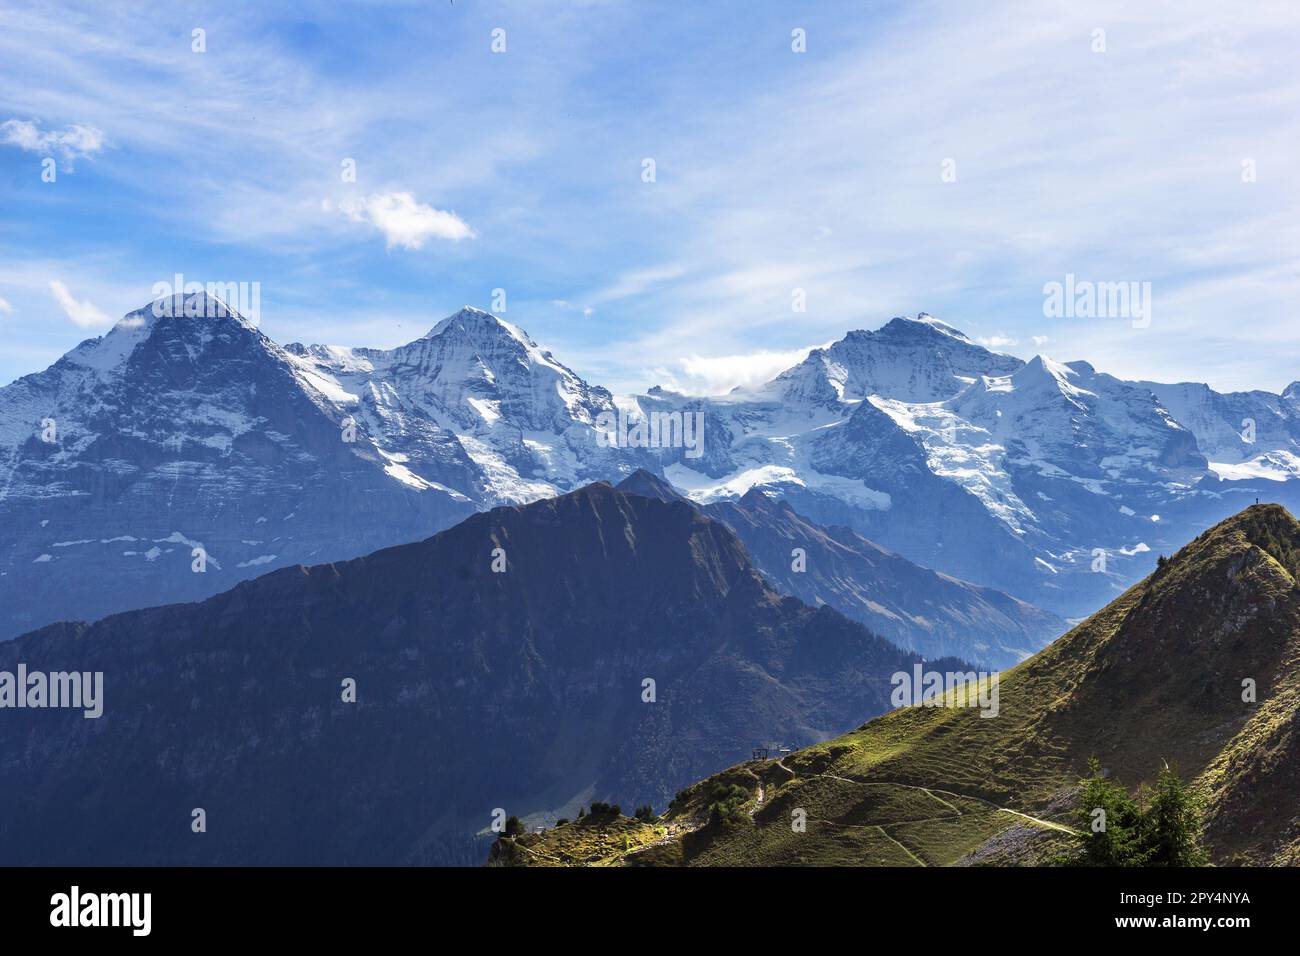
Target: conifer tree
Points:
(1161, 828)
(1171, 823)
(1109, 821)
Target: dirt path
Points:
(933, 791)
(919, 861)
(677, 832)
(1042, 823)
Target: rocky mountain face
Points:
(1054, 482)
(1245, 434)
(912, 360)
(518, 424)
(921, 610)
(1197, 666)
(186, 428)
(598, 645)
(1051, 482)
(173, 433)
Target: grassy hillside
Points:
(1155, 676)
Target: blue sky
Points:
(775, 170)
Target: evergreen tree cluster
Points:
(1160, 827)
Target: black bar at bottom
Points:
(336, 905)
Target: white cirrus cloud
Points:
(637, 281)
(5, 307)
(999, 341)
(84, 314)
(404, 221)
(70, 143)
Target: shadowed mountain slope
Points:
(922, 610)
(524, 689)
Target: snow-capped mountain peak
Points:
(475, 404)
(1042, 401)
(193, 316)
(917, 360)
(904, 325)
(179, 453)
(188, 305)
(484, 343)
(1043, 374)
(480, 327)
(479, 367)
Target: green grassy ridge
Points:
(1153, 676)
(591, 841)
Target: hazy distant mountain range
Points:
(193, 436)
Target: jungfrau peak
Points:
(919, 359)
(1050, 480)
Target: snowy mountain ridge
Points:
(1049, 480)
(191, 429)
